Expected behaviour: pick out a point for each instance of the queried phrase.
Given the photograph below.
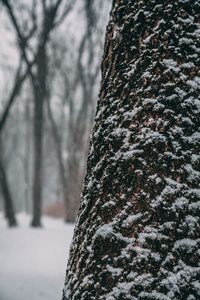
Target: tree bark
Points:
(138, 230)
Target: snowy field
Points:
(33, 261)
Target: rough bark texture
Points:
(138, 230)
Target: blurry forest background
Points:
(50, 56)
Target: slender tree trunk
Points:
(8, 201)
(138, 231)
(39, 87)
(27, 158)
(75, 175)
(61, 165)
(77, 145)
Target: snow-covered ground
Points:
(33, 261)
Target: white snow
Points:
(33, 261)
(171, 64)
(132, 219)
(106, 231)
(185, 41)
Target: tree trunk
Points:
(8, 201)
(61, 164)
(39, 88)
(138, 230)
(75, 177)
(27, 159)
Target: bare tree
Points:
(19, 79)
(79, 93)
(80, 120)
(51, 18)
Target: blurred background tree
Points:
(49, 73)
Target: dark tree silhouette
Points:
(138, 230)
(6, 193)
(19, 80)
(51, 19)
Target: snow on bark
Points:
(138, 229)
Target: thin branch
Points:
(19, 80)
(65, 13)
(21, 39)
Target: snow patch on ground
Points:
(33, 261)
